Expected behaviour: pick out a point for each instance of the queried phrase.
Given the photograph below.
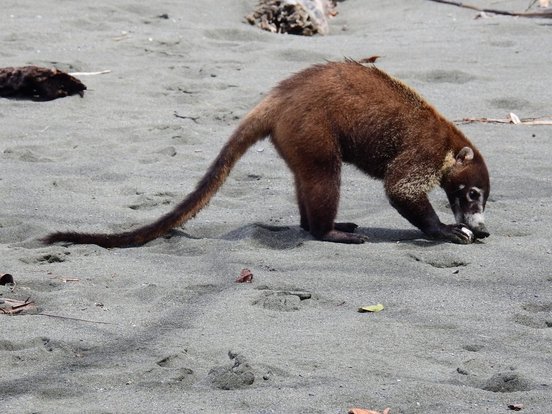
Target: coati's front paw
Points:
(457, 233)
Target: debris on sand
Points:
(38, 84)
(299, 17)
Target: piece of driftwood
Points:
(546, 13)
(14, 306)
(38, 84)
(299, 17)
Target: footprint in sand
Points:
(46, 258)
(478, 373)
(24, 154)
(232, 377)
(173, 368)
(439, 260)
(507, 382)
(510, 103)
(270, 237)
(536, 315)
(284, 300)
(440, 76)
(145, 202)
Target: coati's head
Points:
(467, 187)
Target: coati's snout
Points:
(468, 206)
(467, 190)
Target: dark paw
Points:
(346, 227)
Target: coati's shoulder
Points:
(409, 94)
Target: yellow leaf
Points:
(372, 308)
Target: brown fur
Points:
(321, 117)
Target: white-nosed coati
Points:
(345, 112)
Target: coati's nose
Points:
(481, 232)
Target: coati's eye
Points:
(473, 195)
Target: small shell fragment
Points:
(468, 233)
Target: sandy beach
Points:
(165, 327)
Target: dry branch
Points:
(512, 119)
(546, 13)
(74, 319)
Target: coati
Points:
(345, 112)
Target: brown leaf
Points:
(245, 276)
(363, 411)
(371, 59)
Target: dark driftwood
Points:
(547, 13)
(38, 84)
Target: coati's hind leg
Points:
(304, 218)
(345, 227)
(318, 199)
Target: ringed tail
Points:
(255, 126)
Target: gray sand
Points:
(466, 329)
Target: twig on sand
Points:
(73, 319)
(512, 119)
(101, 72)
(193, 118)
(547, 13)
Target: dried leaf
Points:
(515, 407)
(363, 411)
(372, 308)
(245, 276)
(544, 3)
(371, 59)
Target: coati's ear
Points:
(464, 156)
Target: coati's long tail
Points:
(255, 126)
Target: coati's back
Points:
(371, 115)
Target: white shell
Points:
(467, 232)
